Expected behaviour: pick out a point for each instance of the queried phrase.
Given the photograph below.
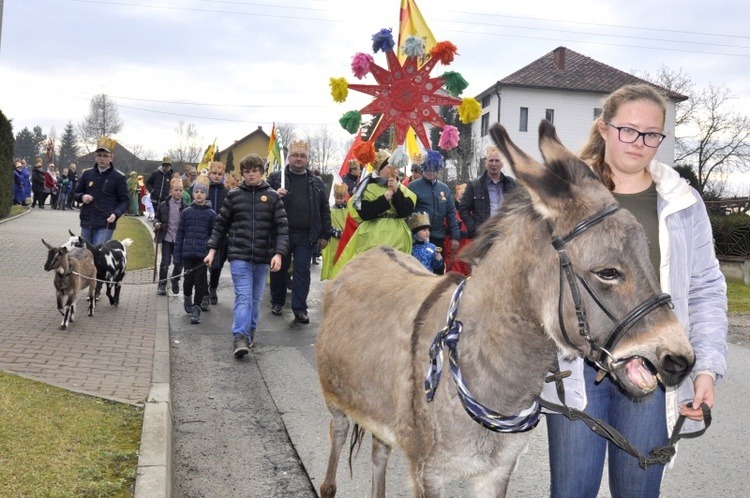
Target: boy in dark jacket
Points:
(166, 222)
(190, 249)
(253, 219)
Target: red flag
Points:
(349, 228)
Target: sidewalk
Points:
(110, 355)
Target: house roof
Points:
(565, 69)
(248, 137)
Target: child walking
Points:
(253, 215)
(338, 219)
(196, 225)
(422, 249)
(166, 222)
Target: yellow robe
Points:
(338, 220)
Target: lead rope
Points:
(449, 336)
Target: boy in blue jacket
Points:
(425, 251)
(196, 225)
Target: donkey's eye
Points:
(608, 274)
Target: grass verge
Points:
(141, 253)
(58, 443)
(738, 295)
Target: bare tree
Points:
(103, 120)
(710, 138)
(187, 149)
(322, 149)
(141, 152)
(287, 132)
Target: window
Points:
(524, 122)
(486, 101)
(597, 112)
(485, 123)
(549, 115)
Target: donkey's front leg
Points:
(381, 452)
(339, 429)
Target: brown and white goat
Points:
(74, 271)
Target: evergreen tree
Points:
(40, 142)
(68, 146)
(6, 160)
(24, 146)
(229, 166)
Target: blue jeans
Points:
(249, 281)
(576, 453)
(97, 235)
(300, 251)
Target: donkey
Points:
(520, 307)
(74, 271)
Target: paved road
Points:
(258, 427)
(109, 355)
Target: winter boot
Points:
(206, 303)
(212, 294)
(240, 346)
(195, 316)
(162, 289)
(175, 285)
(187, 302)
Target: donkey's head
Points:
(609, 306)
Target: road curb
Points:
(154, 472)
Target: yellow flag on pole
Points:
(275, 155)
(411, 23)
(208, 157)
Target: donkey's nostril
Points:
(676, 364)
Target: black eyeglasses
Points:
(629, 135)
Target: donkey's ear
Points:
(559, 160)
(546, 188)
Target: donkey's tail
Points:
(358, 434)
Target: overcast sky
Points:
(231, 66)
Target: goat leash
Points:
(449, 336)
(137, 283)
(659, 455)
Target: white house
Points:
(566, 88)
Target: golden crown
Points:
(216, 167)
(417, 158)
(106, 143)
(166, 160)
(491, 149)
(299, 145)
(417, 221)
(381, 157)
(201, 182)
(340, 189)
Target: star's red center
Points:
(405, 95)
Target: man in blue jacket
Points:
(434, 198)
(102, 192)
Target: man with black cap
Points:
(158, 183)
(102, 192)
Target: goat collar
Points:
(449, 336)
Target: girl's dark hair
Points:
(593, 150)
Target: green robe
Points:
(392, 232)
(338, 220)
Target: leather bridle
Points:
(599, 354)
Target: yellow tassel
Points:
(339, 89)
(469, 110)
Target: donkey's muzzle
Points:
(674, 368)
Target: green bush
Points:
(6, 165)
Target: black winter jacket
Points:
(161, 215)
(37, 180)
(320, 211)
(158, 185)
(196, 226)
(254, 221)
(110, 193)
(474, 206)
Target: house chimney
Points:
(559, 58)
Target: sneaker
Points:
(301, 317)
(276, 309)
(212, 294)
(241, 346)
(175, 285)
(161, 290)
(187, 302)
(195, 316)
(206, 303)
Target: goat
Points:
(74, 271)
(110, 259)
